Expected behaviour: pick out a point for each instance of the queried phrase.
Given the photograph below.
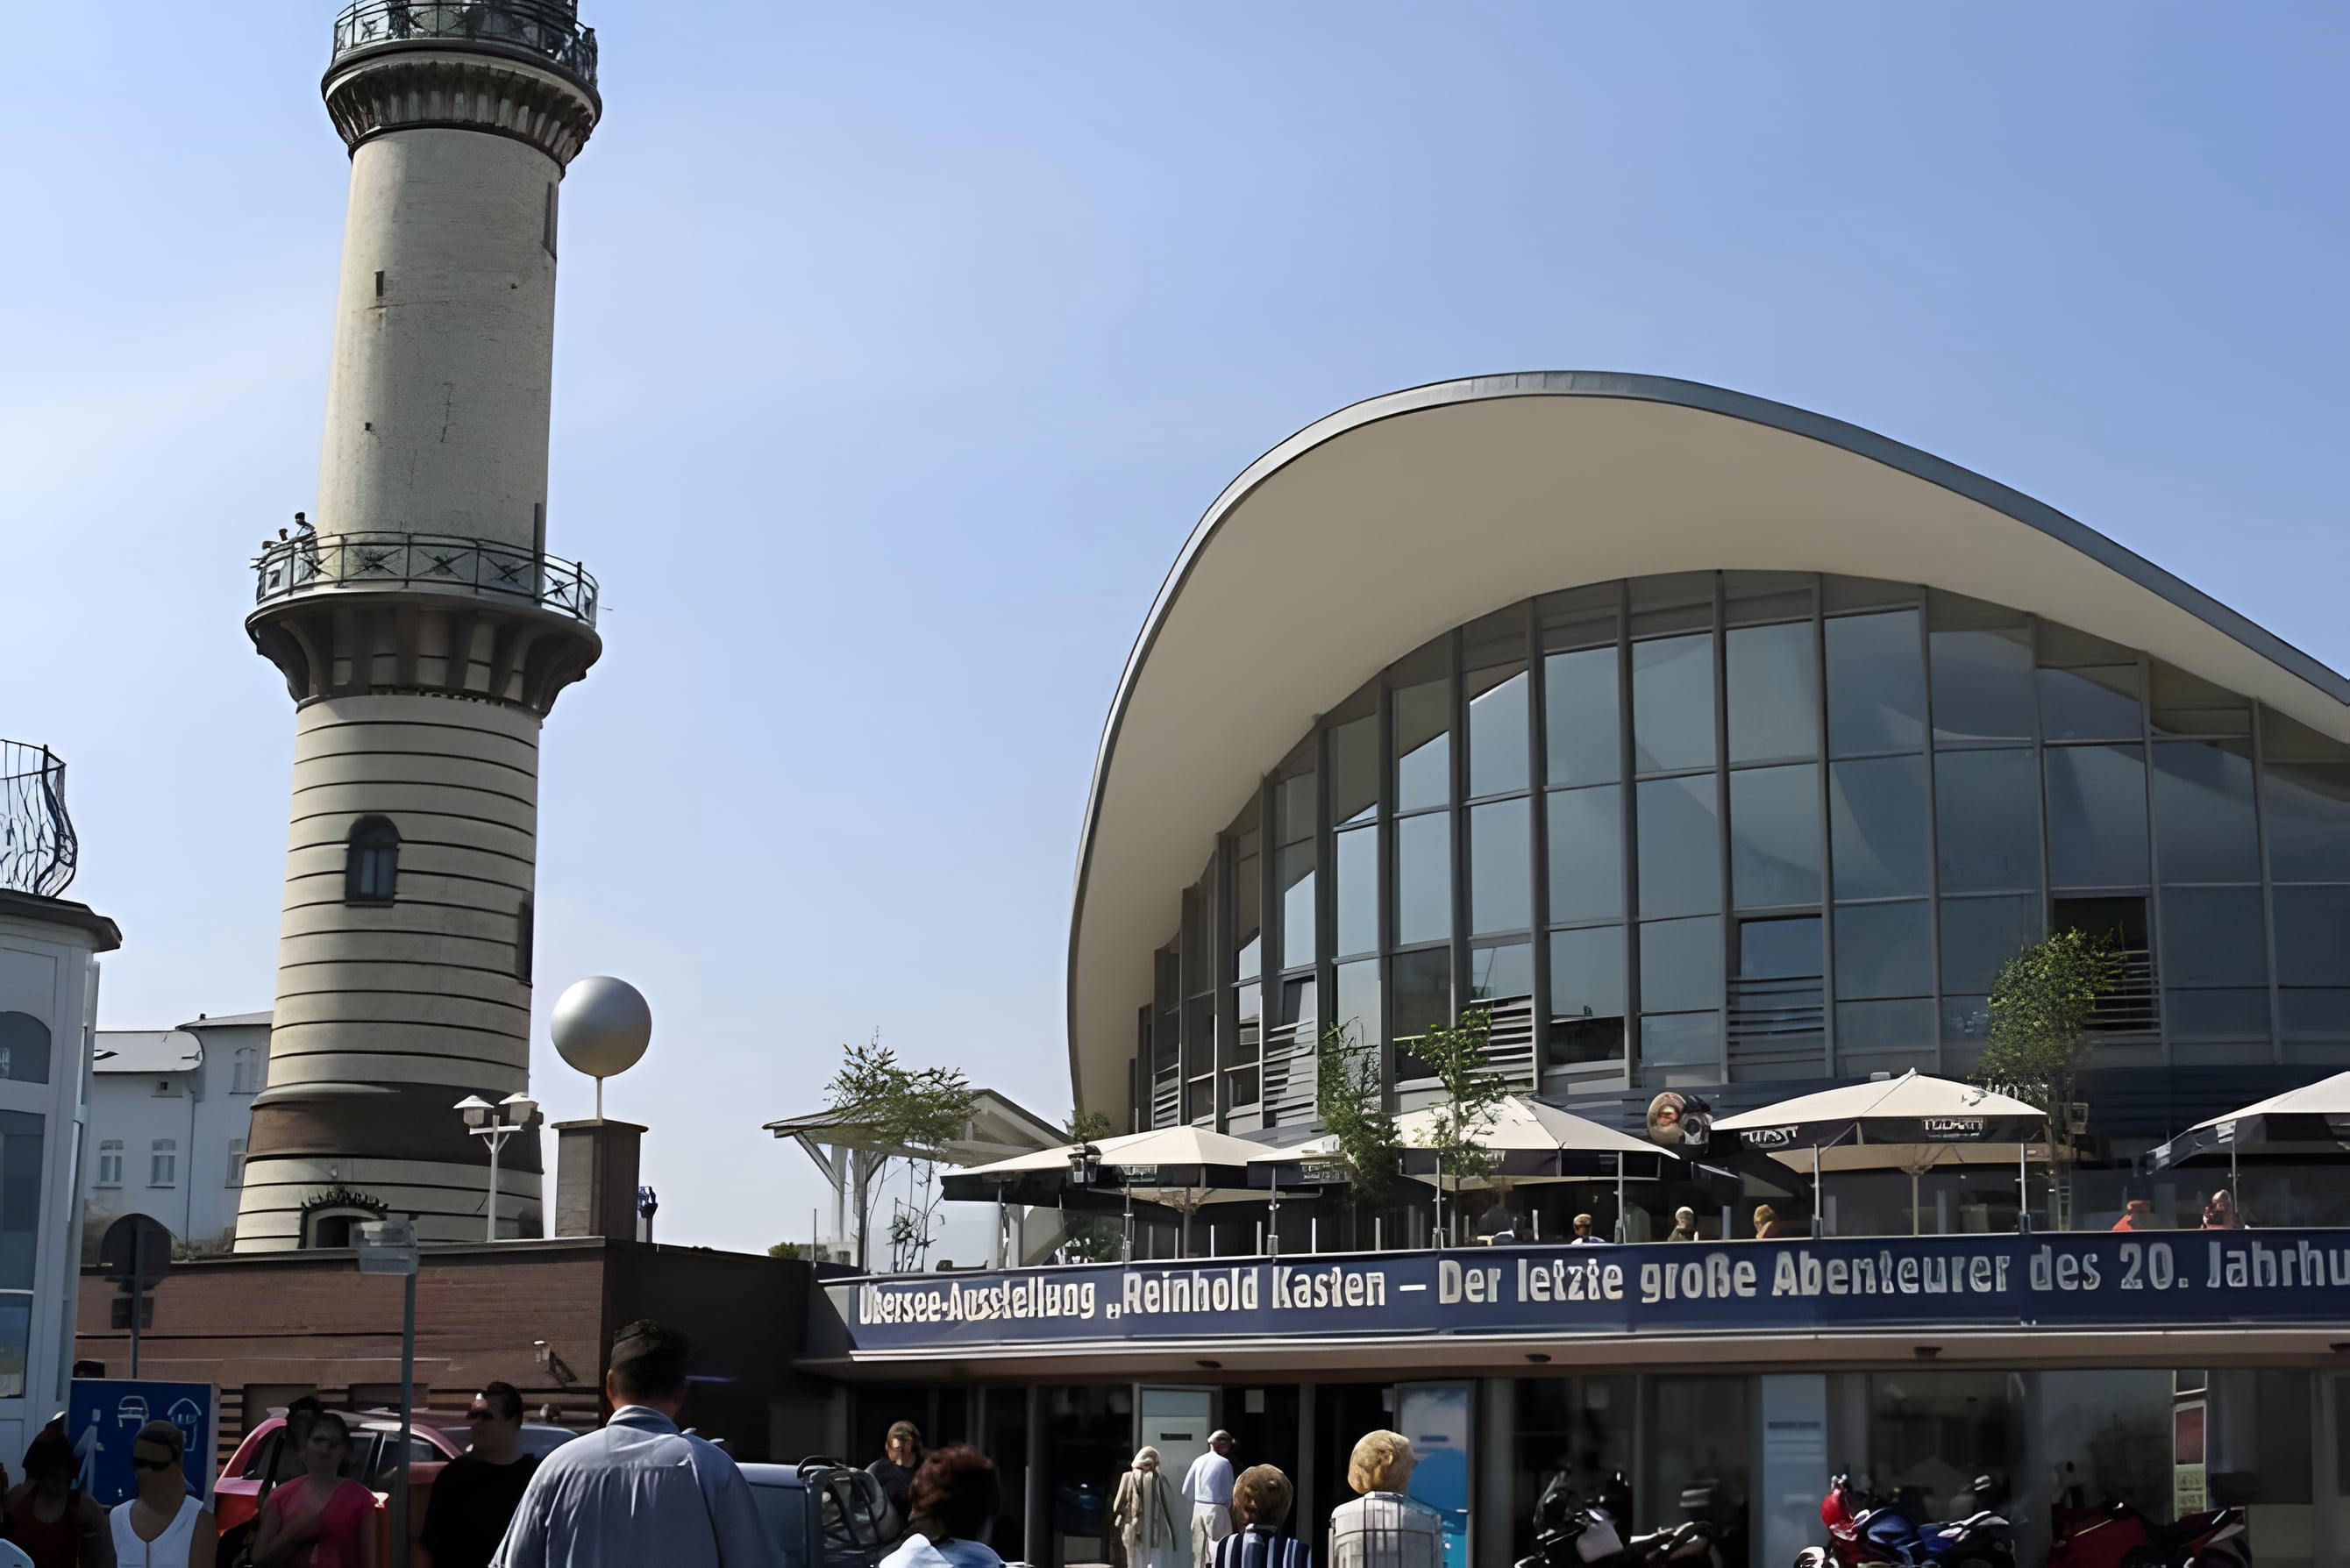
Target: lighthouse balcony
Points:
(435, 562)
(544, 30)
(38, 850)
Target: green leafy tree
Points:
(1455, 1055)
(1091, 1238)
(1088, 1127)
(1351, 1101)
(907, 1116)
(789, 1249)
(2040, 1009)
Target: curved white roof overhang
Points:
(1391, 522)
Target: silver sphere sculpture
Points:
(601, 1026)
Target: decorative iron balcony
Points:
(38, 852)
(316, 562)
(547, 29)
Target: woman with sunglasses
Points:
(162, 1526)
(323, 1519)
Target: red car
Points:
(267, 1457)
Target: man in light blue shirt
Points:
(640, 1492)
(1209, 1485)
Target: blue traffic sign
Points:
(106, 1412)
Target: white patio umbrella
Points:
(1912, 1113)
(1527, 1141)
(1183, 1168)
(2316, 1114)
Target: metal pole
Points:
(1819, 1199)
(1276, 1220)
(496, 1141)
(1622, 1234)
(2023, 1189)
(137, 1290)
(400, 1499)
(2235, 1184)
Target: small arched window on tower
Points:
(372, 862)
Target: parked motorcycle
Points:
(1866, 1528)
(2119, 1536)
(1709, 1535)
(1570, 1533)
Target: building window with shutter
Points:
(164, 1162)
(109, 1163)
(372, 862)
(246, 1077)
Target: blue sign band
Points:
(2098, 1279)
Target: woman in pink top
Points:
(322, 1520)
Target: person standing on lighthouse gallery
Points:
(1208, 1484)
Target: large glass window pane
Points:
(1502, 973)
(2308, 807)
(1680, 964)
(1296, 802)
(1424, 878)
(2098, 704)
(1878, 824)
(1358, 892)
(1981, 934)
(1248, 903)
(25, 1048)
(1586, 972)
(1774, 692)
(1586, 853)
(2240, 1015)
(21, 1137)
(1580, 617)
(1876, 683)
(1423, 745)
(1987, 820)
(1355, 770)
(1671, 601)
(1672, 703)
(1580, 715)
(1789, 948)
(1885, 1027)
(2213, 936)
(1499, 739)
(1421, 995)
(2309, 1014)
(1358, 1001)
(2203, 826)
(1294, 867)
(1774, 836)
(1982, 685)
(1501, 867)
(2185, 704)
(2312, 936)
(1884, 950)
(2097, 816)
(1682, 1040)
(1680, 848)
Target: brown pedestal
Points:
(595, 1178)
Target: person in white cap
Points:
(1208, 1486)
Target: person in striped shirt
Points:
(1261, 1501)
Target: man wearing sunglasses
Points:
(475, 1495)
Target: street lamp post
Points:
(494, 1124)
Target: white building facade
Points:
(169, 1114)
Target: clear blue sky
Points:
(901, 346)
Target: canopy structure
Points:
(1525, 1140)
(2316, 1114)
(1911, 1123)
(1182, 1168)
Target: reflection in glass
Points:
(1297, 807)
(1680, 964)
(1421, 994)
(22, 1137)
(1586, 972)
(1502, 973)
(1877, 684)
(1672, 703)
(1682, 1040)
(1358, 1000)
(2100, 703)
(2308, 808)
(1248, 900)
(1884, 950)
(2312, 935)
(2240, 1015)
(2213, 936)
(2097, 816)
(1774, 836)
(1987, 814)
(1355, 770)
(2314, 1015)
(1294, 866)
(1358, 892)
(1501, 867)
(1884, 1026)
(1982, 685)
(1423, 745)
(1670, 601)
(1586, 853)
(1774, 693)
(1581, 707)
(1499, 739)
(1876, 811)
(1681, 848)
(1424, 878)
(2185, 704)
(1785, 948)
(1981, 934)
(2203, 825)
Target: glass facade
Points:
(1710, 828)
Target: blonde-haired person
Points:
(1383, 1528)
(1261, 1500)
(1143, 1515)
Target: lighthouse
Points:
(425, 632)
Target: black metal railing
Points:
(38, 852)
(319, 563)
(549, 29)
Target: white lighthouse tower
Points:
(423, 631)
